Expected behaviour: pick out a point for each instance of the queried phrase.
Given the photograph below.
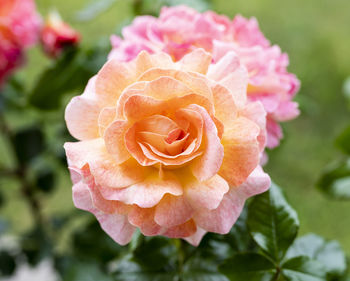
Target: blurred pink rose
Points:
(19, 28)
(172, 148)
(56, 35)
(179, 30)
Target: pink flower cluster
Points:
(19, 29)
(179, 30)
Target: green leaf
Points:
(102, 247)
(303, 269)
(195, 268)
(12, 95)
(335, 180)
(198, 268)
(2, 200)
(63, 264)
(239, 238)
(273, 223)
(36, 245)
(153, 7)
(248, 267)
(219, 247)
(146, 276)
(94, 9)
(156, 254)
(86, 272)
(343, 141)
(28, 143)
(346, 89)
(7, 263)
(329, 253)
(199, 5)
(129, 270)
(63, 76)
(45, 179)
(69, 73)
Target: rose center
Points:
(175, 135)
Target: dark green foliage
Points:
(69, 73)
(153, 7)
(28, 143)
(335, 180)
(343, 141)
(7, 263)
(45, 179)
(304, 269)
(2, 200)
(36, 245)
(273, 222)
(248, 267)
(328, 253)
(94, 9)
(85, 272)
(91, 242)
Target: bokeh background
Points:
(315, 34)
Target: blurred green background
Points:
(316, 35)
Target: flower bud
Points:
(57, 35)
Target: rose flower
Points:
(57, 35)
(19, 29)
(171, 148)
(179, 30)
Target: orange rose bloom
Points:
(170, 148)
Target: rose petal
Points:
(81, 116)
(196, 238)
(164, 88)
(147, 193)
(115, 225)
(135, 150)
(236, 82)
(196, 61)
(241, 151)
(145, 61)
(152, 153)
(138, 107)
(108, 207)
(207, 194)
(225, 107)
(106, 117)
(193, 81)
(257, 182)
(286, 111)
(102, 165)
(221, 219)
(111, 80)
(144, 219)
(136, 88)
(255, 111)
(172, 211)
(228, 64)
(274, 133)
(115, 142)
(185, 230)
(209, 164)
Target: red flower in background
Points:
(56, 35)
(19, 29)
